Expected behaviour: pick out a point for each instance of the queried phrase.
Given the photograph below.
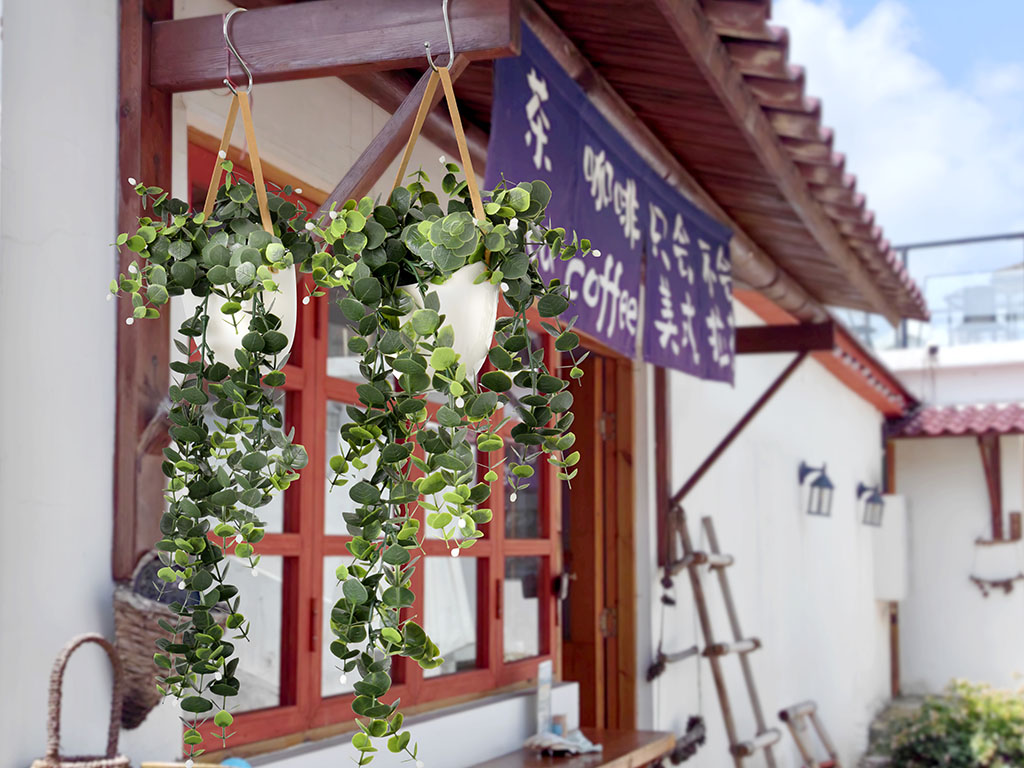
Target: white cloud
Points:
(934, 160)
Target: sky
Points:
(927, 101)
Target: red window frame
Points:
(304, 545)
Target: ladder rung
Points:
(759, 742)
(798, 710)
(714, 559)
(739, 646)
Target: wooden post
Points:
(143, 350)
(988, 444)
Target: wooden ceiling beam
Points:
(770, 339)
(739, 18)
(787, 93)
(705, 47)
(752, 267)
(327, 37)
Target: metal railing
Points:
(982, 304)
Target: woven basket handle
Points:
(57, 683)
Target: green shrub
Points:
(969, 726)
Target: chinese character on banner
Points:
(720, 337)
(597, 170)
(666, 324)
(538, 120)
(626, 208)
(680, 239)
(658, 232)
(689, 312)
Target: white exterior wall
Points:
(947, 628)
(804, 585)
(59, 127)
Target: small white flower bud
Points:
(110, 297)
(462, 523)
(305, 299)
(504, 286)
(132, 268)
(343, 678)
(132, 181)
(514, 224)
(129, 321)
(189, 763)
(333, 215)
(310, 225)
(596, 252)
(442, 160)
(238, 539)
(459, 402)
(181, 585)
(513, 496)
(222, 155)
(298, 190)
(455, 552)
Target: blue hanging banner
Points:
(643, 231)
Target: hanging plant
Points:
(415, 336)
(421, 286)
(233, 270)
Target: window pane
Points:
(336, 499)
(522, 607)
(331, 667)
(259, 666)
(522, 507)
(341, 363)
(450, 611)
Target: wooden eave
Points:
(713, 83)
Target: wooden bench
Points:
(622, 749)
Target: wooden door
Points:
(600, 627)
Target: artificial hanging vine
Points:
(404, 247)
(230, 453)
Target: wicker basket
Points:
(136, 633)
(138, 606)
(54, 759)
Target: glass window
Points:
(259, 666)
(450, 611)
(521, 600)
(522, 507)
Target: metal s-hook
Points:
(241, 61)
(448, 31)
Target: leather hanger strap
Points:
(229, 127)
(240, 103)
(460, 139)
(442, 75)
(417, 126)
(254, 162)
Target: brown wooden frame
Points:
(337, 37)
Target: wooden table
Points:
(622, 749)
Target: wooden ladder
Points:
(715, 650)
(801, 718)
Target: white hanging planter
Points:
(222, 335)
(471, 309)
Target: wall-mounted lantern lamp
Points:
(819, 500)
(874, 506)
